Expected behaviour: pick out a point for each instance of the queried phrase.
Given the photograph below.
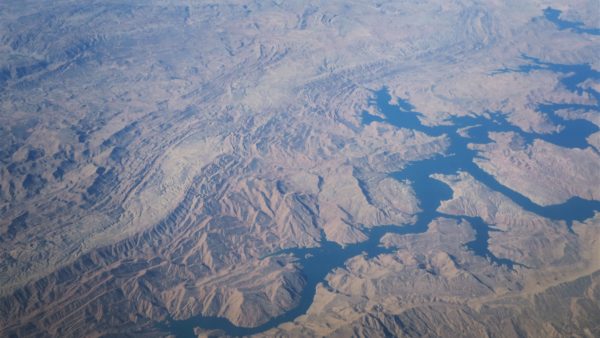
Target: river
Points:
(317, 263)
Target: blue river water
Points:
(553, 15)
(316, 263)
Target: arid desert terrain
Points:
(300, 168)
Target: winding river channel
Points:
(316, 263)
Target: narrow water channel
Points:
(316, 263)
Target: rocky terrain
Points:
(171, 168)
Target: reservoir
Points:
(316, 263)
(553, 15)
